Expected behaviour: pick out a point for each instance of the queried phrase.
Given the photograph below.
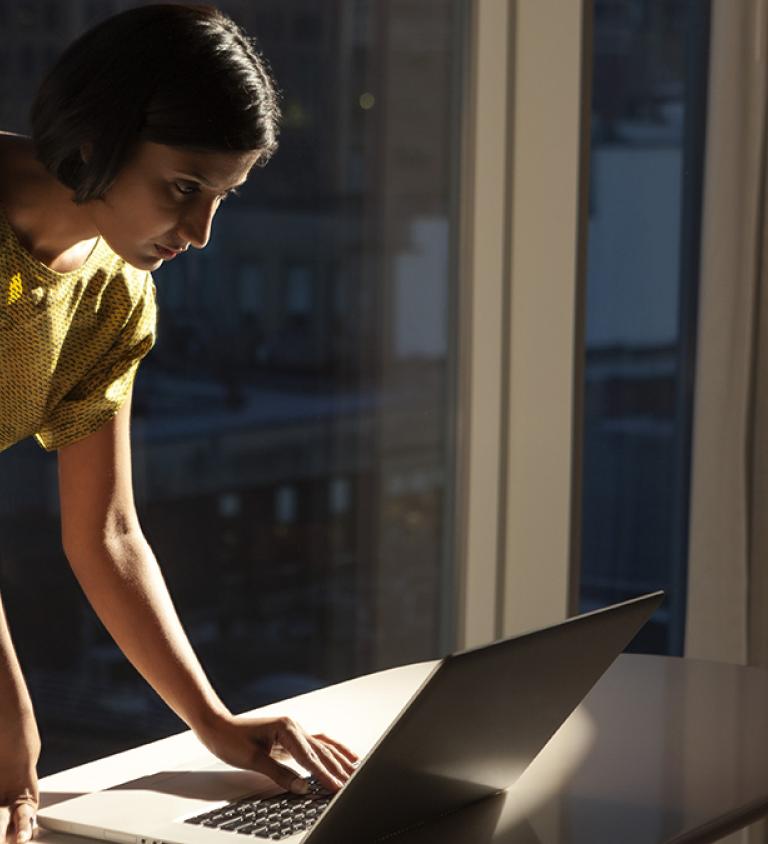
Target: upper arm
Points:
(95, 486)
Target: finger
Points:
(5, 819)
(294, 739)
(284, 776)
(277, 751)
(331, 758)
(346, 765)
(350, 754)
(22, 820)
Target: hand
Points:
(256, 744)
(19, 795)
(17, 813)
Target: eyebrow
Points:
(196, 177)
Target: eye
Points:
(185, 188)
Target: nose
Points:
(195, 225)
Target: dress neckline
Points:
(38, 265)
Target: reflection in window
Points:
(299, 284)
(252, 290)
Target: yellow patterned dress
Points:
(70, 343)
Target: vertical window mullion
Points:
(550, 120)
(481, 320)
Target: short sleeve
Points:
(99, 395)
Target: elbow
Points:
(117, 543)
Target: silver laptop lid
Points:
(477, 722)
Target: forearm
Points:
(15, 703)
(19, 746)
(19, 736)
(124, 585)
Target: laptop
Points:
(469, 731)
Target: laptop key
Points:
(234, 824)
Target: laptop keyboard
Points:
(270, 817)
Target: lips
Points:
(165, 253)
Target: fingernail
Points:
(24, 836)
(299, 786)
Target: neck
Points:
(47, 223)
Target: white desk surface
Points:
(662, 750)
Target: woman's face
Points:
(164, 199)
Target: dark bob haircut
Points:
(181, 75)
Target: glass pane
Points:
(648, 109)
(293, 427)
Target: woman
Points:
(139, 131)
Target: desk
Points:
(662, 750)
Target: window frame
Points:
(522, 267)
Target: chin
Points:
(147, 266)
(141, 260)
(145, 262)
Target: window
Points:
(292, 427)
(648, 109)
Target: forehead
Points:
(217, 169)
